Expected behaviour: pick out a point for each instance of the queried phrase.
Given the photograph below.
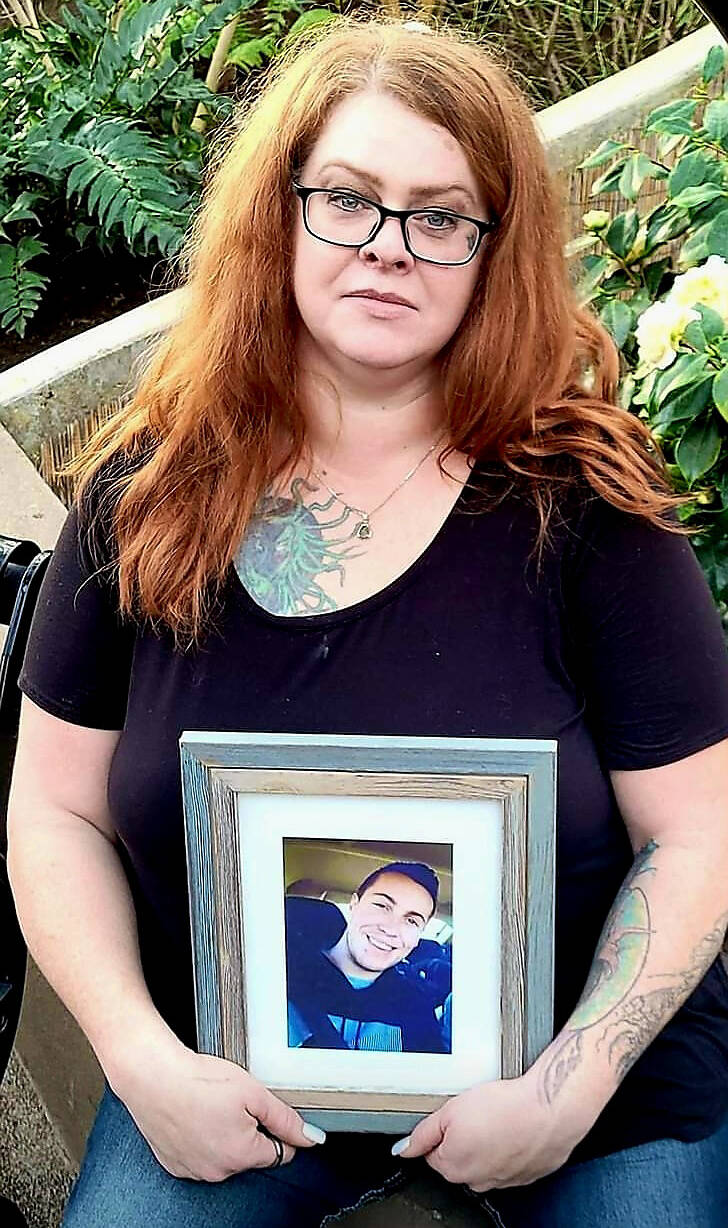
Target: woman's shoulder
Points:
(561, 508)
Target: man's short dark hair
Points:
(416, 870)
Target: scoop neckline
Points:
(311, 622)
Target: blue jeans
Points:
(666, 1184)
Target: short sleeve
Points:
(77, 662)
(648, 645)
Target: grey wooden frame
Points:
(521, 773)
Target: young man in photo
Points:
(347, 988)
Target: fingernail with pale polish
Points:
(401, 1145)
(313, 1133)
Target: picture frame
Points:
(282, 826)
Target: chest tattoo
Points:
(287, 548)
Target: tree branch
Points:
(216, 69)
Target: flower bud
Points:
(596, 219)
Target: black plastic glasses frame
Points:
(403, 216)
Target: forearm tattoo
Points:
(627, 1022)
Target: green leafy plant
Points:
(105, 115)
(20, 287)
(106, 109)
(659, 282)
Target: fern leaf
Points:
(252, 54)
(190, 45)
(20, 210)
(20, 288)
(119, 170)
(83, 174)
(34, 280)
(110, 214)
(121, 50)
(218, 17)
(147, 23)
(127, 219)
(156, 82)
(81, 231)
(129, 94)
(28, 247)
(168, 237)
(83, 20)
(50, 158)
(101, 194)
(108, 63)
(276, 16)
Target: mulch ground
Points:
(35, 1172)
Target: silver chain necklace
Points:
(363, 529)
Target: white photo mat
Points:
(474, 828)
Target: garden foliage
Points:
(105, 111)
(102, 131)
(659, 281)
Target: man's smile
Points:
(379, 944)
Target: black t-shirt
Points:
(610, 644)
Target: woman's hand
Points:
(495, 1134)
(200, 1114)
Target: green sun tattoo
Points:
(285, 550)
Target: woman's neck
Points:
(353, 428)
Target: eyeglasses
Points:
(347, 219)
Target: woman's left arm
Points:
(664, 930)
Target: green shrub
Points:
(105, 112)
(659, 281)
(104, 119)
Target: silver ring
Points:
(279, 1151)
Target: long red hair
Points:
(199, 437)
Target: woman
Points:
(363, 487)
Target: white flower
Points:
(596, 219)
(707, 284)
(658, 333)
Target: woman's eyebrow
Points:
(420, 192)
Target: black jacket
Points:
(317, 988)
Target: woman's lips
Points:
(381, 306)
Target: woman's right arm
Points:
(199, 1113)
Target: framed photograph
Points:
(372, 918)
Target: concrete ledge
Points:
(60, 1062)
(34, 1170)
(41, 395)
(28, 508)
(576, 125)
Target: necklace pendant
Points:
(363, 530)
